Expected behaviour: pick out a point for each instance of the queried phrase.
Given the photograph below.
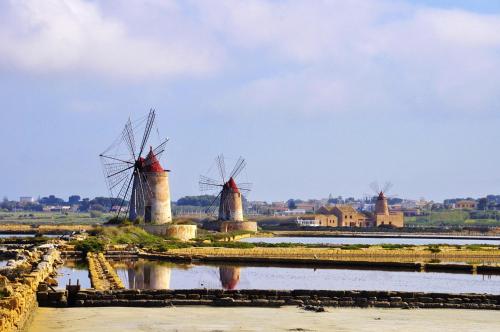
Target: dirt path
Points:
(260, 319)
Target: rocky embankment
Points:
(19, 283)
(102, 275)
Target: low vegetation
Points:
(434, 248)
(456, 218)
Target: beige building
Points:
(466, 205)
(341, 216)
(347, 216)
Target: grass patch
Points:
(354, 246)
(392, 246)
(434, 248)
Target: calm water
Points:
(365, 240)
(161, 275)
(26, 235)
(73, 270)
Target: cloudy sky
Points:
(320, 96)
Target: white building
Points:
(26, 199)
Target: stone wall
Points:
(231, 226)
(180, 232)
(276, 298)
(19, 293)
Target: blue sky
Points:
(320, 96)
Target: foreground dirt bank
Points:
(259, 319)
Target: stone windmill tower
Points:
(139, 183)
(228, 196)
(382, 216)
(381, 205)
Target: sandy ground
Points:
(197, 318)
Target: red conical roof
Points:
(232, 184)
(151, 163)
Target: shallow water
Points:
(74, 270)
(161, 275)
(366, 240)
(21, 235)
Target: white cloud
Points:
(75, 35)
(349, 55)
(325, 55)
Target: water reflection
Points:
(229, 276)
(144, 274)
(185, 276)
(74, 271)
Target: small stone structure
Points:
(231, 226)
(180, 232)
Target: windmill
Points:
(135, 177)
(226, 191)
(381, 205)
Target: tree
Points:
(291, 204)
(74, 199)
(97, 207)
(84, 205)
(482, 204)
(51, 200)
(201, 200)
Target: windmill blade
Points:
(144, 189)
(120, 171)
(115, 181)
(157, 153)
(221, 166)
(238, 167)
(160, 148)
(387, 187)
(208, 184)
(375, 187)
(116, 159)
(115, 173)
(114, 167)
(212, 207)
(123, 194)
(128, 137)
(147, 131)
(245, 186)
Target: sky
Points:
(320, 97)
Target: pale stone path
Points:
(200, 318)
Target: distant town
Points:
(468, 211)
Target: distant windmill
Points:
(381, 205)
(135, 177)
(228, 193)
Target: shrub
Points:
(95, 214)
(90, 244)
(433, 248)
(390, 246)
(354, 246)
